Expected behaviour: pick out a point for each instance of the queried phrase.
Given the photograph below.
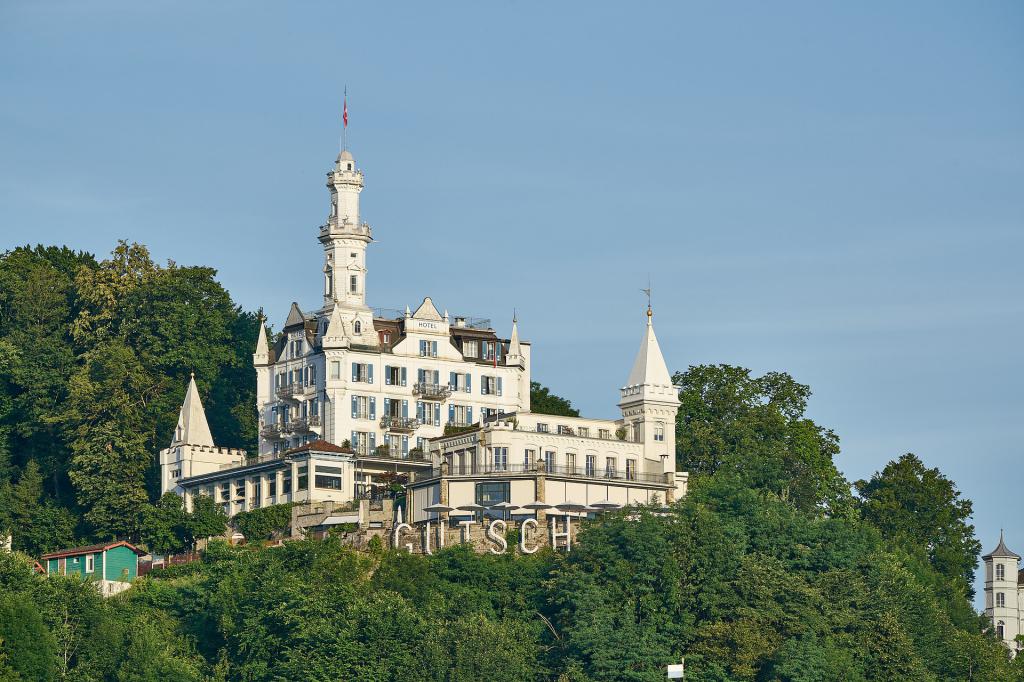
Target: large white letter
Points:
(398, 531)
(555, 534)
(499, 540)
(426, 539)
(522, 536)
(465, 529)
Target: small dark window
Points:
(350, 166)
(359, 327)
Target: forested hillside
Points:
(775, 567)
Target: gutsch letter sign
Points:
(494, 535)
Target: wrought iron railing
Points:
(432, 391)
(404, 424)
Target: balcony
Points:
(432, 391)
(288, 392)
(387, 452)
(399, 424)
(477, 469)
(271, 431)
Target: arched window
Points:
(1000, 628)
(359, 327)
(1000, 600)
(329, 281)
(1000, 571)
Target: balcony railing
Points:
(469, 469)
(288, 391)
(386, 452)
(432, 391)
(399, 424)
(271, 431)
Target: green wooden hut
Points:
(118, 561)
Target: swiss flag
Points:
(344, 113)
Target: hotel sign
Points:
(494, 535)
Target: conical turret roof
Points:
(192, 429)
(649, 367)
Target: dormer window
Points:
(350, 166)
(359, 327)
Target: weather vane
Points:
(647, 292)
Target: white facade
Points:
(525, 457)
(1004, 594)
(381, 385)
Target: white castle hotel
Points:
(348, 399)
(1004, 594)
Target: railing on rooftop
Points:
(468, 469)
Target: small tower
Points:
(1003, 593)
(192, 451)
(649, 403)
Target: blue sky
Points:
(831, 189)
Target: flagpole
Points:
(344, 118)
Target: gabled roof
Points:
(92, 549)
(319, 445)
(295, 317)
(649, 367)
(427, 311)
(1002, 550)
(192, 429)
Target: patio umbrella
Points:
(472, 507)
(504, 507)
(537, 505)
(570, 506)
(438, 508)
(605, 505)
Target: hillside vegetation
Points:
(775, 567)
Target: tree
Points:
(107, 399)
(39, 525)
(754, 428)
(164, 526)
(207, 518)
(543, 401)
(921, 509)
(25, 638)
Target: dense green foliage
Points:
(264, 522)
(94, 359)
(744, 584)
(543, 401)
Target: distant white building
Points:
(1004, 594)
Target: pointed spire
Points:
(262, 354)
(407, 312)
(1002, 550)
(295, 316)
(514, 349)
(192, 428)
(649, 368)
(335, 335)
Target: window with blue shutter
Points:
(419, 411)
(369, 374)
(387, 375)
(373, 407)
(437, 415)
(469, 383)
(469, 415)
(405, 446)
(451, 413)
(355, 406)
(373, 442)
(499, 385)
(437, 377)
(405, 409)
(433, 348)
(355, 440)
(421, 376)
(355, 371)
(452, 381)
(423, 348)
(403, 376)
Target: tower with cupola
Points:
(345, 237)
(1003, 593)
